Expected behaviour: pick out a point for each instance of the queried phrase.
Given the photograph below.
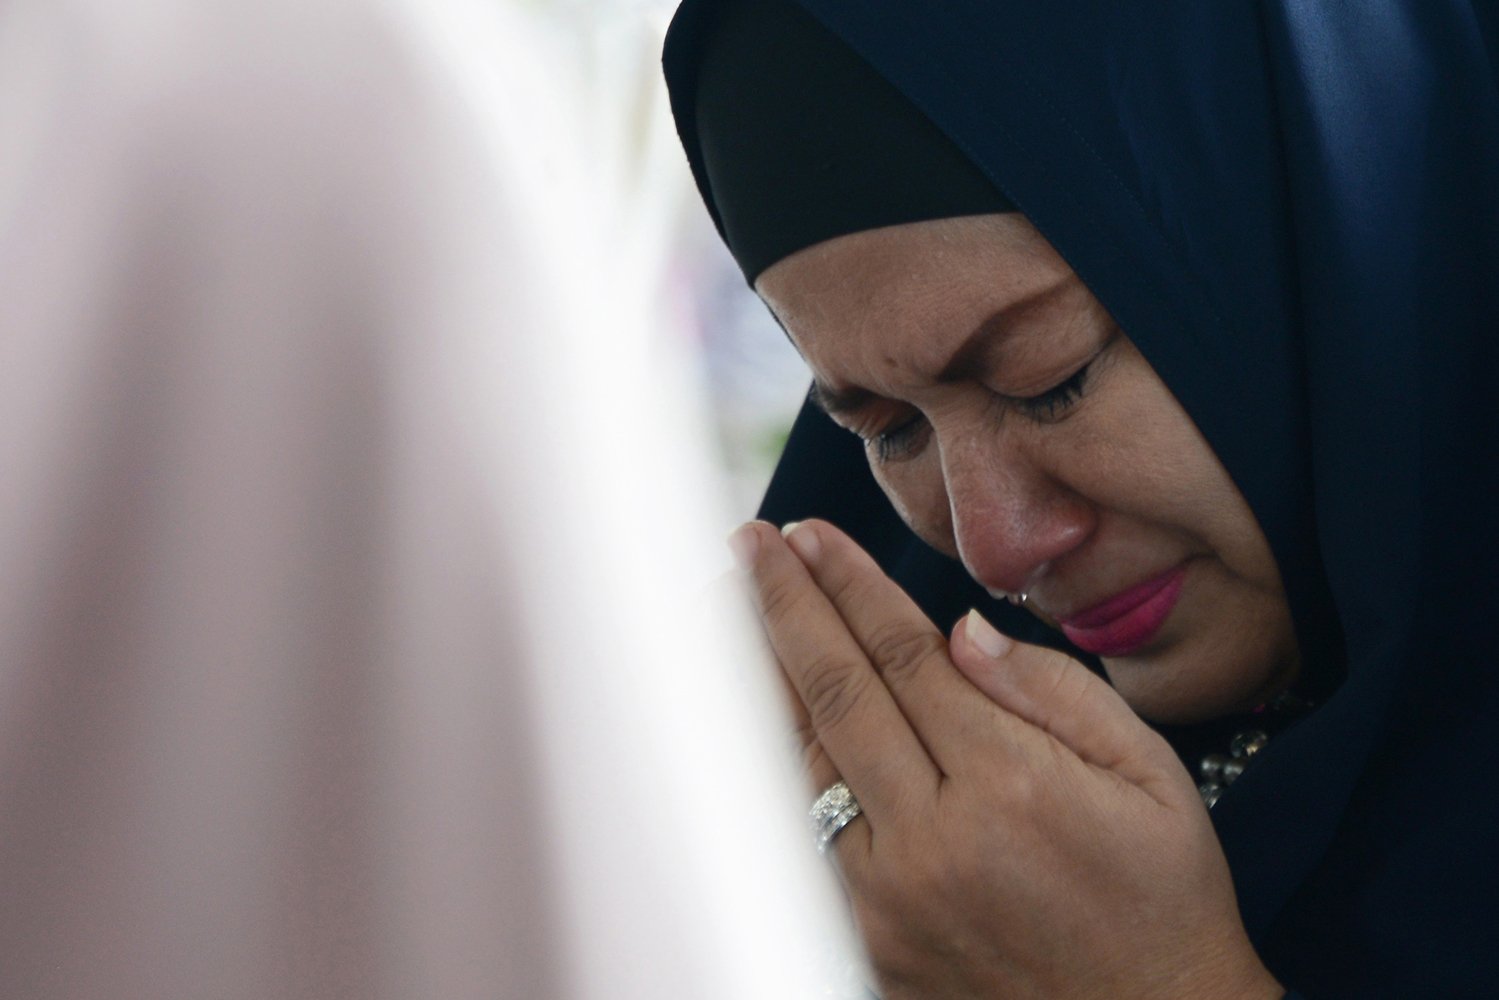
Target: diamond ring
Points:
(833, 810)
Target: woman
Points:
(1174, 327)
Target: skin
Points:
(1024, 832)
(1071, 503)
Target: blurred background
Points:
(751, 380)
(361, 367)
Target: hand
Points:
(1023, 833)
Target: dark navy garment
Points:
(1292, 208)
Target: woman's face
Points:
(1015, 427)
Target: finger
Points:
(821, 772)
(852, 844)
(730, 593)
(853, 847)
(910, 653)
(1055, 693)
(870, 743)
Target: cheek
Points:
(1166, 476)
(1133, 449)
(1167, 472)
(919, 495)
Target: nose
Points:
(1011, 516)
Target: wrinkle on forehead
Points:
(866, 307)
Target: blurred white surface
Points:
(355, 514)
(749, 377)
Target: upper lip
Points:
(1120, 603)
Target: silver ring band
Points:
(833, 810)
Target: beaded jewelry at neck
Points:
(1216, 771)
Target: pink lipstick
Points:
(1130, 619)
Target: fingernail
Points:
(985, 636)
(803, 540)
(744, 543)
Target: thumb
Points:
(1059, 695)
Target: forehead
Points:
(902, 296)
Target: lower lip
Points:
(1142, 610)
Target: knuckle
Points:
(899, 651)
(1019, 789)
(780, 598)
(816, 764)
(846, 587)
(806, 736)
(832, 690)
(1065, 688)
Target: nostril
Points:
(1020, 597)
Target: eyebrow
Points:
(965, 360)
(836, 402)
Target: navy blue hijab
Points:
(1292, 207)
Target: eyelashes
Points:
(1052, 404)
(898, 442)
(906, 439)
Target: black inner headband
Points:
(802, 141)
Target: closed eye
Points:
(1053, 404)
(905, 440)
(899, 442)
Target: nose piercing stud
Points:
(1018, 599)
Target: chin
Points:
(1175, 690)
(1236, 656)
(1170, 707)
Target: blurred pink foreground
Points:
(348, 538)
